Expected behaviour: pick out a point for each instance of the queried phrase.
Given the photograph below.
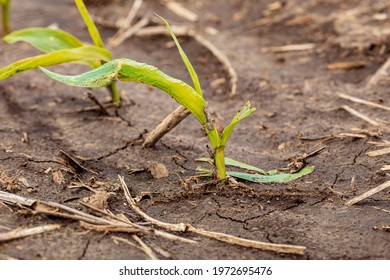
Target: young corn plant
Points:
(60, 47)
(190, 97)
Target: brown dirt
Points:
(295, 95)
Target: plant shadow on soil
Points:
(297, 108)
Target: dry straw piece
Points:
(181, 227)
(368, 193)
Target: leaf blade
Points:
(133, 71)
(92, 29)
(81, 54)
(278, 178)
(236, 163)
(244, 112)
(44, 39)
(186, 61)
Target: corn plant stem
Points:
(97, 40)
(5, 17)
(219, 161)
(116, 99)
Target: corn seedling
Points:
(5, 5)
(60, 47)
(190, 97)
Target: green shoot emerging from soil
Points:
(59, 47)
(5, 5)
(190, 97)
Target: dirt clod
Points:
(157, 169)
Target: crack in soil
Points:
(86, 246)
(345, 166)
(319, 201)
(124, 147)
(28, 158)
(180, 154)
(229, 218)
(297, 203)
(123, 118)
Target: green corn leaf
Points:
(187, 63)
(44, 39)
(132, 71)
(245, 111)
(278, 178)
(257, 178)
(92, 29)
(99, 77)
(90, 55)
(235, 163)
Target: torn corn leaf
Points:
(132, 71)
(257, 178)
(236, 163)
(278, 178)
(88, 55)
(44, 39)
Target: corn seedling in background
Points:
(5, 5)
(60, 47)
(190, 97)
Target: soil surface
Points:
(298, 111)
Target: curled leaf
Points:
(89, 55)
(132, 71)
(44, 39)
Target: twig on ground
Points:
(172, 227)
(124, 25)
(4, 227)
(6, 257)
(346, 65)
(87, 220)
(181, 227)
(111, 228)
(380, 152)
(181, 11)
(289, 48)
(16, 199)
(120, 37)
(336, 192)
(382, 228)
(362, 101)
(382, 71)
(353, 185)
(368, 193)
(20, 233)
(171, 121)
(378, 208)
(142, 246)
(131, 15)
(385, 168)
(145, 248)
(360, 115)
(379, 144)
(69, 161)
